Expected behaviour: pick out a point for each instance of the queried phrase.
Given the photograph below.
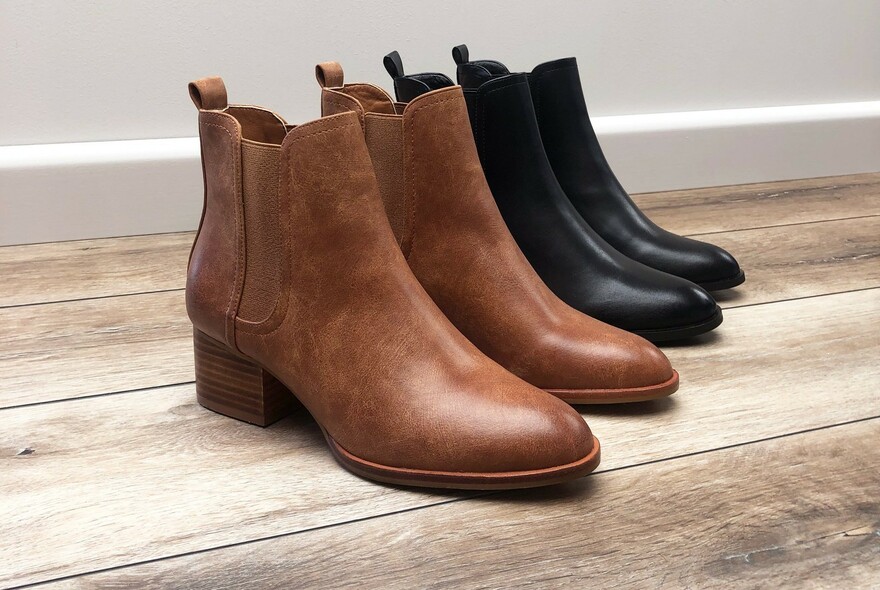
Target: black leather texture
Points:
(588, 181)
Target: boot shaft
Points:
(272, 192)
(566, 130)
(231, 272)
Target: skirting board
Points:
(99, 189)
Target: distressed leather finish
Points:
(216, 267)
(354, 335)
(460, 249)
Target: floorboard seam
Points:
(140, 389)
(94, 395)
(757, 303)
(161, 233)
(733, 231)
(415, 508)
(698, 234)
(95, 298)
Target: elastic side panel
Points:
(384, 135)
(262, 215)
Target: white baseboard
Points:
(85, 190)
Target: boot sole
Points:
(725, 283)
(231, 385)
(682, 332)
(618, 396)
(502, 480)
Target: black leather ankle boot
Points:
(574, 261)
(588, 181)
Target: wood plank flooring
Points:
(764, 467)
(790, 512)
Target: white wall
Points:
(77, 70)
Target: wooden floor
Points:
(763, 471)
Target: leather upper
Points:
(352, 332)
(583, 172)
(458, 246)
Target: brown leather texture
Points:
(216, 267)
(459, 248)
(353, 334)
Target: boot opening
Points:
(259, 124)
(474, 74)
(409, 87)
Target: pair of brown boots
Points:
(358, 264)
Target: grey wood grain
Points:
(796, 512)
(803, 260)
(59, 351)
(124, 478)
(727, 208)
(62, 271)
(65, 350)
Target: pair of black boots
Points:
(567, 211)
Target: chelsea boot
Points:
(456, 243)
(299, 293)
(587, 179)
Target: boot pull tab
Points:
(394, 65)
(329, 74)
(209, 94)
(460, 54)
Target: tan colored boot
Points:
(458, 246)
(297, 289)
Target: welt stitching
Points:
(227, 324)
(412, 163)
(347, 107)
(314, 133)
(371, 86)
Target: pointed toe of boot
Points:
(546, 436)
(686, 310)
(512, 435)
(561, 438)
(646, 375)
(618, 367)
(720, 270)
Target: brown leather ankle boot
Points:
(450, 230)
(296, 284)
